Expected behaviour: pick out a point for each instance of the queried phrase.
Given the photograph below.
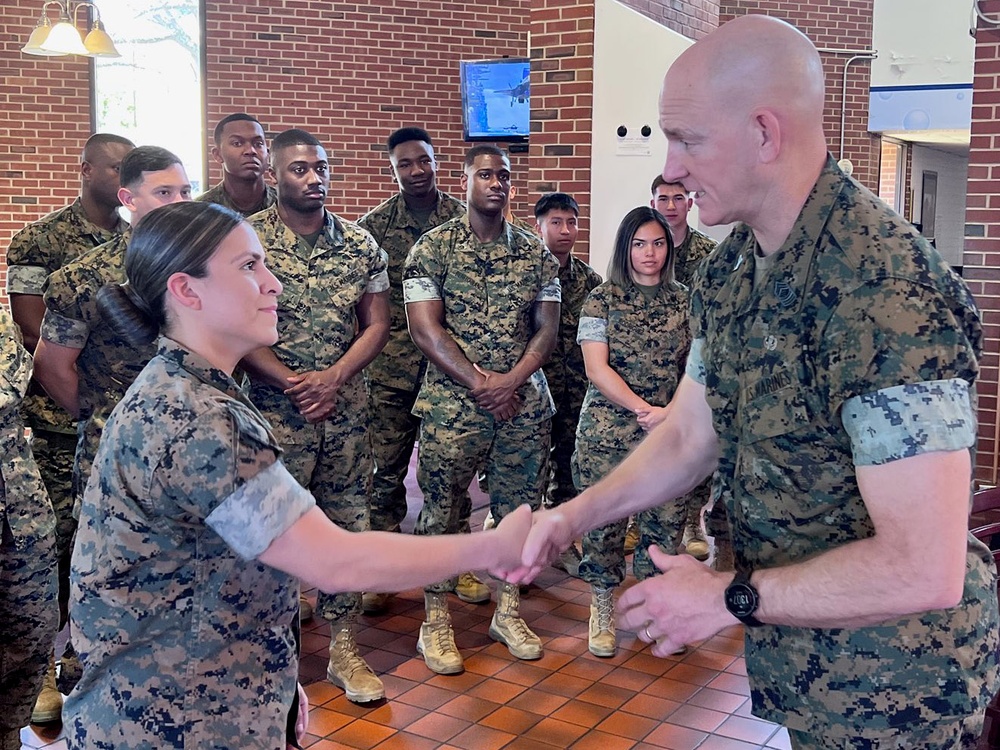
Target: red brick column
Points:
(562, 76)
(981, 265)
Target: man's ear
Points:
(183, 291)
(464, 182)
(767, 132)
(216, 154)
(125, 196)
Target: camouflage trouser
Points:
(337, 469)
(54, 452)
(962, 734)
(603, 562)
(560, 486)
(696, 500)
(394, 431)
(716, 517)
(514, 457)
(29, 620)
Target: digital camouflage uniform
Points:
(107, 364)
(219, 196)
(317, 324)
(687, 257)
(648, 342)
(36, 251)
(28, 585)
(567, 378)
(186, 640)
(394, 376)
(809, 373)
(489, 291)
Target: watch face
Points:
(741, 600)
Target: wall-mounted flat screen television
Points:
(495, 99)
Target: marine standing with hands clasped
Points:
(635, 338)
(333, 318)
(395, 375)
(482, 303)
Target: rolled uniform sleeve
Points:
(899, 366)
(593, 325)
(63, 322)
(908, 420)
(422, 273)
(222, 469)
(378, 276)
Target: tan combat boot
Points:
(348, 669)
(602, 640)
(694, 542)
(374, 603)
(48, 705)
(437, 640)
(508, 628)
(470, 589)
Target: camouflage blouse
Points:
(186, 640)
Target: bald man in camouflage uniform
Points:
(833, 365)
(394, 376)
(28, 585)
(482, 301)
(333, 318)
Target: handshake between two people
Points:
(684, 603)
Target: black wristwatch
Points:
(742, 599)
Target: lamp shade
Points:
(99, 44)
(64, 39)
(37, 39)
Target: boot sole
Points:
(47, 717)
(531, 656)
(457, 669)
(354, 697)
(474, 599)
(602, 653)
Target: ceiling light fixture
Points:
(64, 38)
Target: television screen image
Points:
(495, 101)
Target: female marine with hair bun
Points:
(192, 533)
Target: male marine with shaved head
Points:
(831, 381)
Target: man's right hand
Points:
(550, 535)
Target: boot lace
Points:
(605, 608)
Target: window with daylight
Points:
(152, 94)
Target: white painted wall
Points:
(952, 175)
(631, 54)
(922, 42)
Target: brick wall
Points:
(982, 233)
(350, 73)
(562, 75)
(692, 18)
(44, 121)
(835, 24)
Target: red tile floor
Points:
(567, 699)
